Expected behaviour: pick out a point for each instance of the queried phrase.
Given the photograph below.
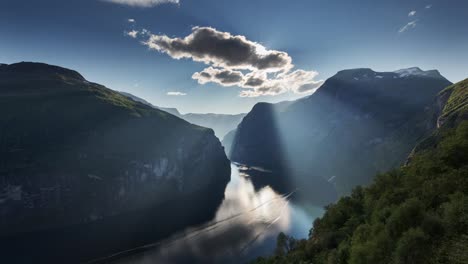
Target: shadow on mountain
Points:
(274, 163)
(359, 123)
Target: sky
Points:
(223, 56)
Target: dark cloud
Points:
(224, 77)
(229, 77)
(221, 49)
(205, 75)
(254, 82)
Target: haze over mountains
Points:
(220, 123)
(359, 123)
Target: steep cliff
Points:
(74, 152)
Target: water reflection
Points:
(245, 226)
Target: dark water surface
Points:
(245, 226)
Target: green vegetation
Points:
(458, 97)
(456, 106)
(415, 214)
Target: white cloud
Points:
(131, 20)
(257, 83)
(236, 61)
(410, 25)
(176, 93)
(428, 6)
(143, 3)
(298, 81)
(132, 33)
(412, 13)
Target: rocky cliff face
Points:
(75, 152)
(358, 123)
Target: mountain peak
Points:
(41, 69)
(416, 71)
(365, 74)
(356, 71)
(262, 106)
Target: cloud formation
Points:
(410, 25)
(224, 77)
(176, 93)
(131, 20)
(132, 33)
(143, 3)
(221, 49)
(236, 61)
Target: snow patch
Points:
(415, 71)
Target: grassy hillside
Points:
(415, 214)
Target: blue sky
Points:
(317, 35)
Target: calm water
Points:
(245, 226)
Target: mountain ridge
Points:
(222, 124)
(78, 161)
(353, 111)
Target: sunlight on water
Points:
(245, 225)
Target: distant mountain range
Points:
(84, 164)
(220, 123)
(414, 214)
(358, 123)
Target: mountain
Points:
(220, 123)
(228, 140)
(415, 214)
(82, 163)
(229, 137)
(359, 122)
(172, 111)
